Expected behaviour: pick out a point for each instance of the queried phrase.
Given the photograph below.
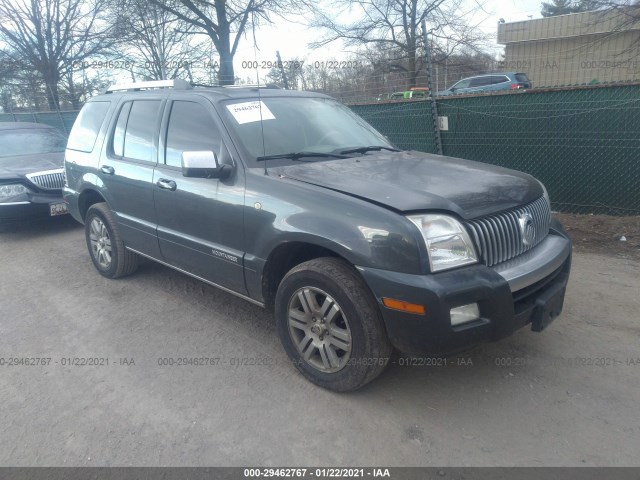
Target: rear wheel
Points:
(108, 253)
(330, 326)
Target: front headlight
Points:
(448, 243)
(12, 190)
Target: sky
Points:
(292, 38)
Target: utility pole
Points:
(434, 104)
(282, 72)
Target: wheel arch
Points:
(287, 255)
(88, 197)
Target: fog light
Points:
(464, 314)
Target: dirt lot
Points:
(604, 234)
(567, 396)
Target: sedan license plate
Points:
(58, 209)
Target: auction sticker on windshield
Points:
(248, 112)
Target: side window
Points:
(121, 125)
(87, 126)
(191, 128)
(462, 84)
(499, 79)
(480, 81)
(140, 130)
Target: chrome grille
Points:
(49, 180)
(498, 237)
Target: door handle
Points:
(167, 184)
(107, 169)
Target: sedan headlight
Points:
(448, 243)
(12, 190)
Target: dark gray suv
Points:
(291, 201)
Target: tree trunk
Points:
(51, 80)
(413, 73)
(226, 74)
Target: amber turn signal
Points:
(403, 306)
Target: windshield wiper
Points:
(299, 155)
(368, 149)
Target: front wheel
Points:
(330, 326)
(108, 253)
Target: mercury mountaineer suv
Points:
(293, 202)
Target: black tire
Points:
(122, 261)
(369, 349)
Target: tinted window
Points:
(87, 126)
(31, 141)
(522, 77)
(191, 128)
(462, 84)
(140, 130)
(499, 79)
(481, 81)
(121, 125)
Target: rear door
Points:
(500, 82)
(200, 220)
(126, 170)
(479, 84)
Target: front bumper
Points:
(35, 206)
(526, 290)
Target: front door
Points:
(200, 220)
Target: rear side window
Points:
(87, 126)
(135, 130)
(121, 126)
(499, 79)
(522, 78)
(191, 128)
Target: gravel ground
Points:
(569, 396)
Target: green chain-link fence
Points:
(582, 143)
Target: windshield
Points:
(31, 141)
(298, 124)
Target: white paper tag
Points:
(248, 112)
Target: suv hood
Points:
(414, 181)
(19, 166)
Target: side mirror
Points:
(203, 164)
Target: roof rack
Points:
(252, 85)
(176, 83)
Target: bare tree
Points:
(563, 7)
(49, 36)
(395, 24)
(225, 22)
(156, 44)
